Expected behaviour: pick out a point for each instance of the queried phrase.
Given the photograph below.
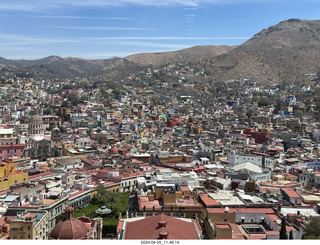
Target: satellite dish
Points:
(226, 208)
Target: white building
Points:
(269, 163)
(235, 159)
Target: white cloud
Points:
(69, 17)
(36, 5)
(103, 28)
(9, 40)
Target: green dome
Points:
(103, 210)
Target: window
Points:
(14, 236)
(21, 236)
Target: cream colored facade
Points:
(32, 225)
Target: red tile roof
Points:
(144, 202)
(149, 228)
(242, 210)
(77, 193)
(223, 226)
(290, 192)
(120, 225)
(37, 176)
(208, 201)
(185, 188)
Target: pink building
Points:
(11, 150)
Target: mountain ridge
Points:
(282, 52)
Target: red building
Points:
(11, 150)
(51, 120)
(259, 136)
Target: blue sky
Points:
(98, 29)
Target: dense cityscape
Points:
(90, 159)
(159, 122)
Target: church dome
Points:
(35, 119)
(69, 227)
(55, 130)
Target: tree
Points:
(50, 128)
(89, 131)
(283, 231)
(64, 104)
(47, 111)
(291, 235)
(73, 98)
(277, 106)
(312, 230)
(263, 102)
(62, 129)
(109, 199)
(249, 114)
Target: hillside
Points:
(53, 67)
(284, 52)
(184, 55)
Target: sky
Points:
(101, 29)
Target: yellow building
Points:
(68, 145)
(73, 153)
(170, 158)
(108, 186)
(29, 225)
(10, 176)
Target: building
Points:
(11, 150)
(38, 147)
(235, 159)
(159, 227)
(81, 228)
(169, 199)
(10, 176)
(245, 223)
(53, 203)
(6, 135)
(5, 227)
(35, 127)
(56, 144)
(292, 196)
(51, 120)
(29, 225)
